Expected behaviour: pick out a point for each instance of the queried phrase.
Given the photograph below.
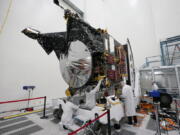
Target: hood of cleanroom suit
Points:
(127, 93)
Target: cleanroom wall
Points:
(22, 60)
(166, 15)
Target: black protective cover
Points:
(53, 42)
(77, 29)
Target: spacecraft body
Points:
(87, 54)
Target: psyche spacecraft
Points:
(87, 54)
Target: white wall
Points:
(79, 3)
(126, 19)
(22, 60)
(95, 13)
(166, 15)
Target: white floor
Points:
(52, 128)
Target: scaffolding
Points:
(170, 51)
(170, 54)
(153, 61)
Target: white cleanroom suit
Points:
(68, 110)
(154, 86)
(91, 97)
(127, 94)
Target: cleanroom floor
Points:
(32, 124)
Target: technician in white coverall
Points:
(154, 86)
(69, 109)
(127, 94)
(91, 97)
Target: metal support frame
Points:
(152, 73)
(177, 77)
(156, 105)
(147, 63)
(74, 7)
(162, 54)
(148, 60)
(167, 53)
(44, 110)
(29, 95)
(177, 114)
(109, 122)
